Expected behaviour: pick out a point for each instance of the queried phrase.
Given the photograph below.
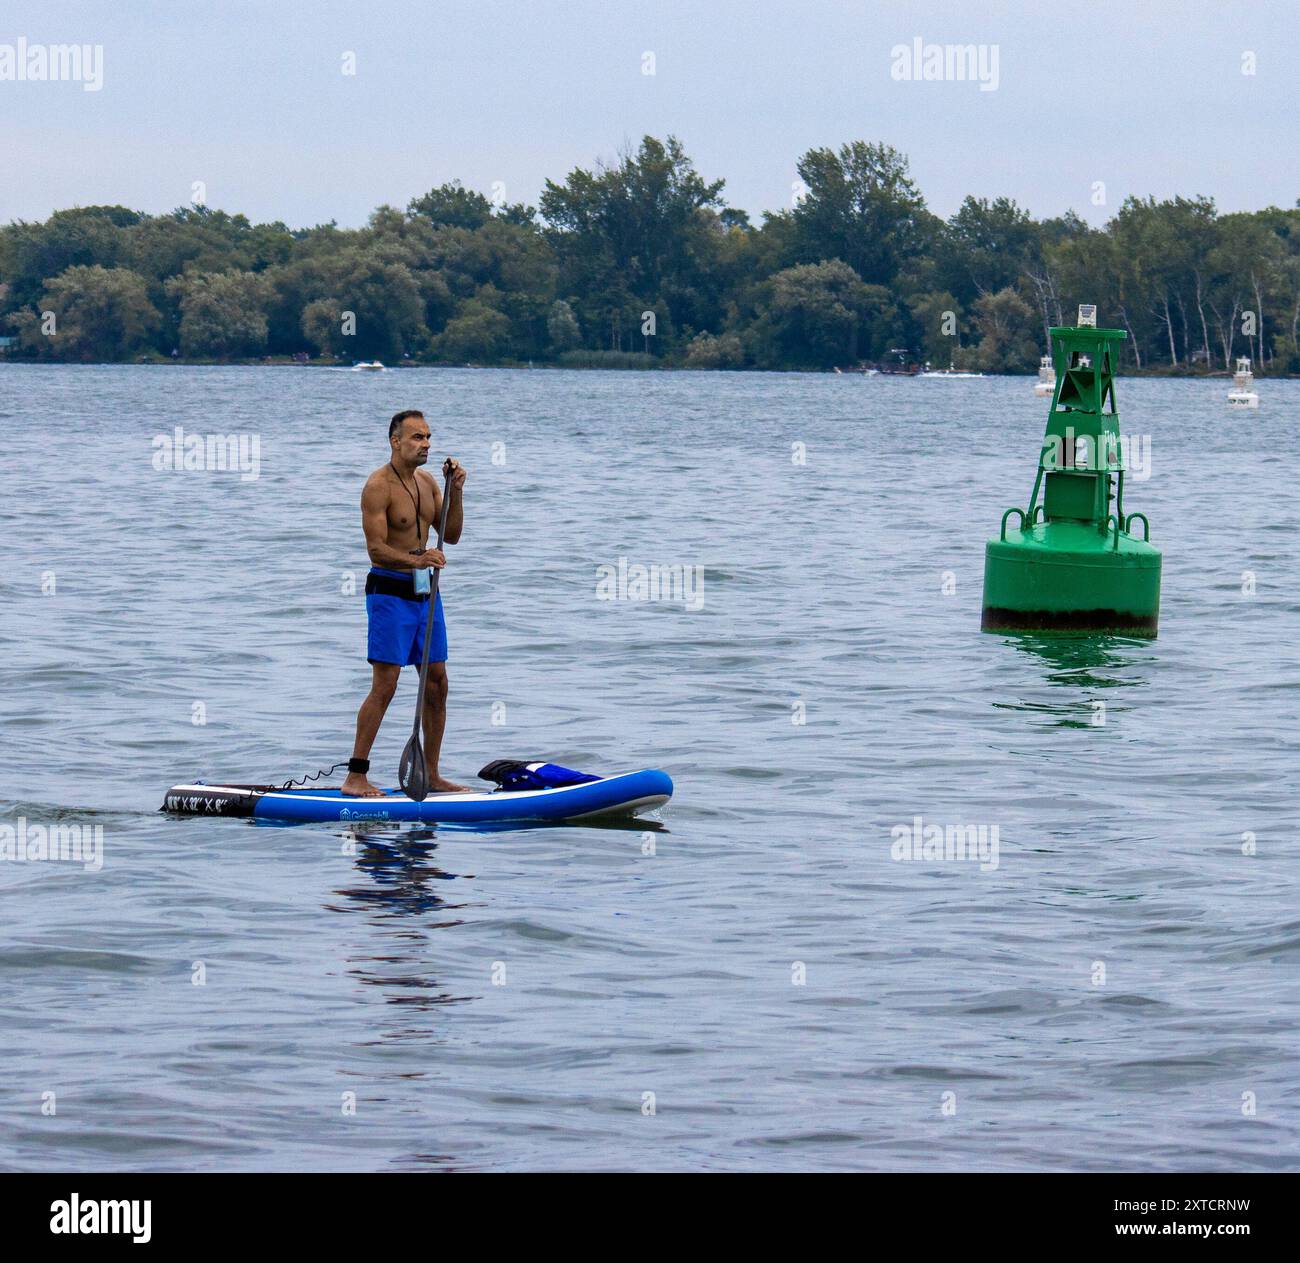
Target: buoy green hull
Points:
(1066, 576)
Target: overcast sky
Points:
(249, 97)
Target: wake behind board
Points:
(607, 797)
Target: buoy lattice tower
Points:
(1071, 563)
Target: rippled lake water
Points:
(1118, 991)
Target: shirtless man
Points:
(398, 505)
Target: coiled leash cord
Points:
(312, 776)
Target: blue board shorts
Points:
(396, 623)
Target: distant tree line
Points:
(642, 263)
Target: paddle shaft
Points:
(433, 601)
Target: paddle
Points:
(412, 775)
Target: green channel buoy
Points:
(1071, 564)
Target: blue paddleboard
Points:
(606, 798)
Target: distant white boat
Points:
(1046, 383)
(372, 366)
(954, 374)
(1242, 394)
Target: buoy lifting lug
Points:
(1146, 526)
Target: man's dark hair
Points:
(395, 425)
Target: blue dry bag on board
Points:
(513, 775)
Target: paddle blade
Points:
(412, 775)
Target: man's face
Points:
(413, 442)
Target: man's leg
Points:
(383, 683)
(435, 721)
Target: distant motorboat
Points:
(1046, 383)
(1242, 394)
(371, 366)
(899, 363)
(949, 372)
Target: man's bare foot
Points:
(358, 785)
(441, 785)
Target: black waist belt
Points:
(386, 585)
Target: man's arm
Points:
(455, 509)
(455, 506)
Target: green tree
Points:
(939, 317)
(364, 307)
(100, 314)
(478, 332)
(1227, 298)
(452, 206)
(707, 351)
(562, 327)
(322, 326)
(511, 260)
(1146, 249)
(1086, 268)
(1008, 329)
(986, 246)
(222, 313)
(34, 254)
(862, 207)
(1250, 266)
(816, 313)
(454, 274)
(641, 235)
